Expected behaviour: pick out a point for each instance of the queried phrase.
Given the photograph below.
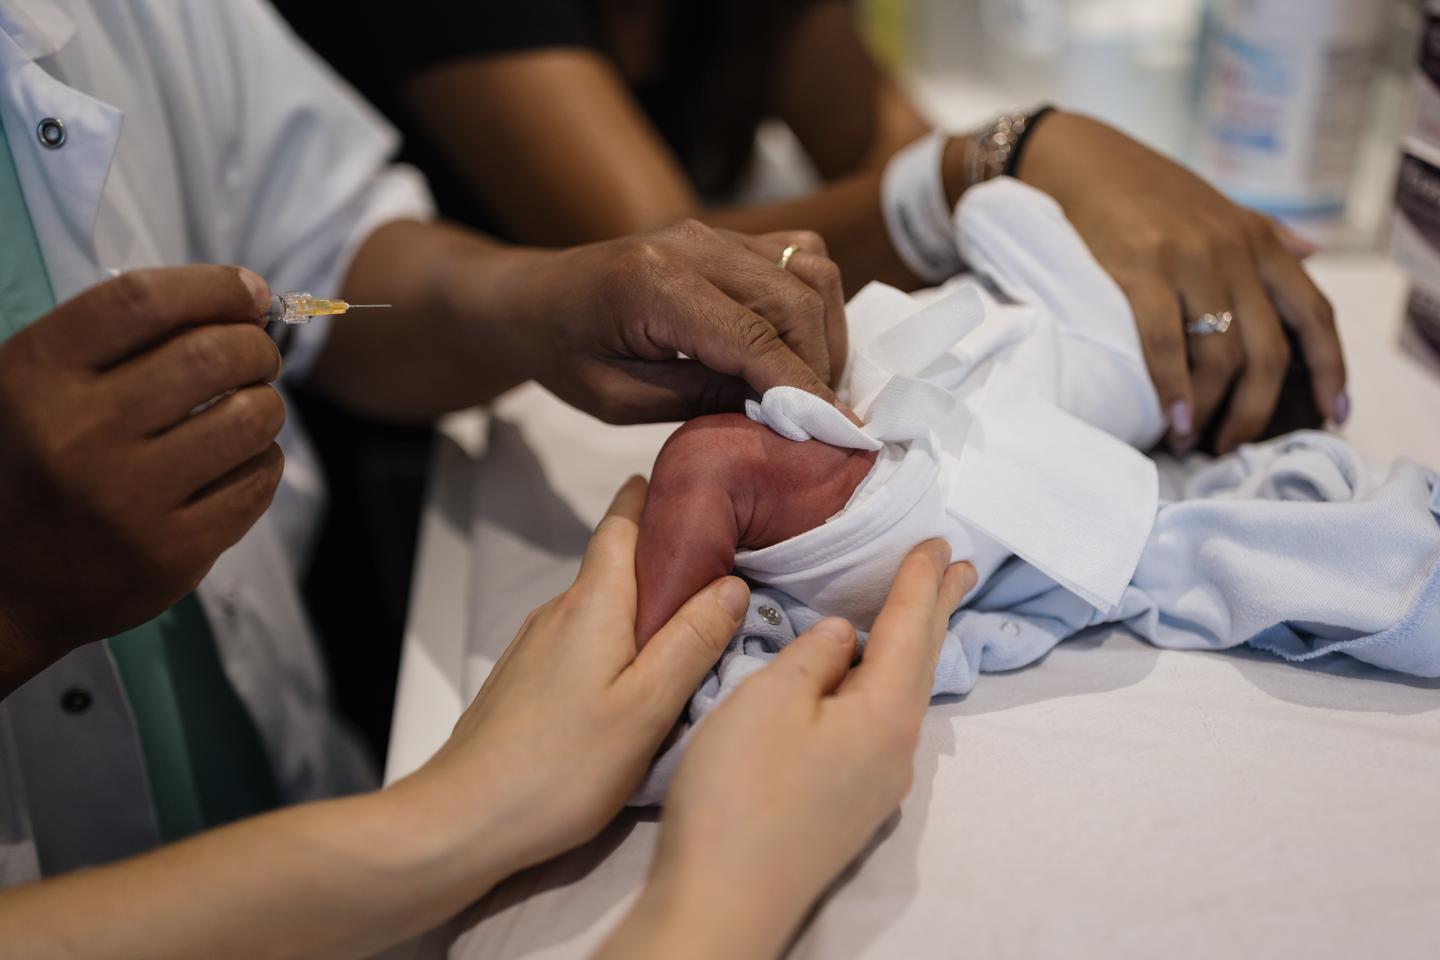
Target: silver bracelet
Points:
(993, 148)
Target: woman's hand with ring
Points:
(1180, 250)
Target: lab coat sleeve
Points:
(306, 164)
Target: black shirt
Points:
(707, 99)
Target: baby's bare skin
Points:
(724, 482)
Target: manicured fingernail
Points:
(734, 597)
(834, 629)
(1342, 407)
(259, 289)
(1180, 420)
(1298, 245)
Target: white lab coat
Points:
(195, 131)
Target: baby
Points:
(726, 483)
(1005, 418)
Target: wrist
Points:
(477, 297)
(455, 842)
(955, 166)
(1004, 146)
(686, 913)
(513, 295)
(722, 896)
(1040, 161)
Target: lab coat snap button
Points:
(51, 133)
(770, 615)
(75, 700)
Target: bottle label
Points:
(1284, 104)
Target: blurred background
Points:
(1296, 107)
(1323, 113)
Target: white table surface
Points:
(1113, 800)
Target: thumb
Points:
(680, 390)
(747, 345)
(114, 320)
(677, 658)
(685, 389)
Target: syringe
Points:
(302, 308)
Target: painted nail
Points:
(1298, 245)
(1342, 407)
(1180, 420)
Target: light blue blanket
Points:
(1295, 546)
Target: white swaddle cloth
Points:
(1004, 415)
(1005, 425)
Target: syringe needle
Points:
(302, 308)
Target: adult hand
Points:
(1179, 249)
(570, 717)
(114, 498)
(786, 781)
(609, 319)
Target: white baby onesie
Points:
(1005, 412)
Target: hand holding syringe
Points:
(302, 308)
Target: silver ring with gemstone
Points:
(1208, 323)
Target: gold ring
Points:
(786, 254)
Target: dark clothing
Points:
(358, 585)
(710, 93)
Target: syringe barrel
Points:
(284, 308)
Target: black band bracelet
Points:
(1012, 162)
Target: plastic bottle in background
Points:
(1415, 229)
(1129, 62)
(1284, 92)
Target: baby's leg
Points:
(723, 482)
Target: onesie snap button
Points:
(770, 615)
(1010, 628)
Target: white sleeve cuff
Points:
(399, 193)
